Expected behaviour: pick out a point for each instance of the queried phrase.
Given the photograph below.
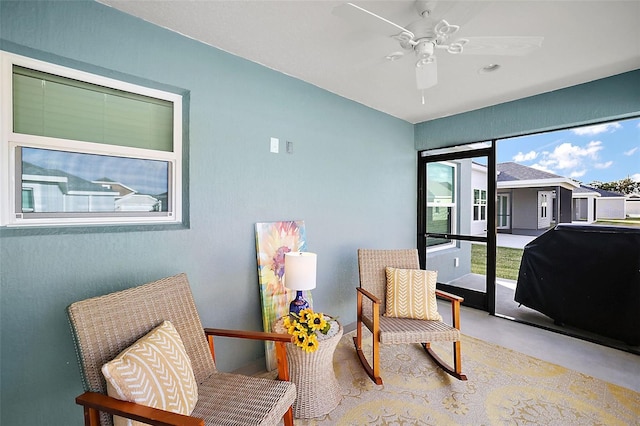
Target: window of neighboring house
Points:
(84, 149)
(543, 205)
(27, 199)
(479, 204)
(441, 203)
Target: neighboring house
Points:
(129, 199)
(53, 191)
(530, 201)
(114, 186)
(478, 199)
(633, 205)
(591, 204)
(138, 203)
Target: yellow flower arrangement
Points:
(304, 327)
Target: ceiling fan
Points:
(429, 33)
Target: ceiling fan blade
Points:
(368, 20)
(427, 74)
(507, 46)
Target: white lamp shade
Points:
(300, 270)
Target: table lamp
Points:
(299, 275)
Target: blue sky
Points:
(604, 152)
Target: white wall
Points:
(633, 208)
(610, 208)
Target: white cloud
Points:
(635, 177)
(631, 151)
(573, 161)
(597, 129)
(567, 156)
(520, 157)
(603, 165)
(543, 168)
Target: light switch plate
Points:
(275, 145)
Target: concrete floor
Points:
(513, 241)
(613, 365)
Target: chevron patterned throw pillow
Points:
(411, 293)
(156, 372)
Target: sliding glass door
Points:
(456, 220)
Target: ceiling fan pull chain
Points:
(422, 96)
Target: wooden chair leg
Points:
(91, 416)
(456, 371)
(288, 417)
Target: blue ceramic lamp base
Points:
(298, 303)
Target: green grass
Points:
(507, 261)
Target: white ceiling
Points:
(583, 41)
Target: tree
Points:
(622, 186)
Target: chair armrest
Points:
(448, 296)
(455, 306)
(245, 334)
(94, 402)
(368, 295)
(279, 339)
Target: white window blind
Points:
(54, 106)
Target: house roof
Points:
(585, 189)
(67, 183)
(120, 187)
(514, 175)
(513, 171)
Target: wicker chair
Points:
(372, 264)
(104, 326)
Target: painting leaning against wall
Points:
(273, 240)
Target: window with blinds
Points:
(84, 149)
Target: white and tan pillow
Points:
(411, 293)
(155, 371)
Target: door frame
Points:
(476, 299)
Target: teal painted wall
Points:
(610, 98)
(351, 178)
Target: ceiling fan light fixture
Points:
(424, 48)
(424, 61)
(489, 69)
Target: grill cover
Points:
(586, 276)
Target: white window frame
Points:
(10, 141)
(481, 204)
(454, 209)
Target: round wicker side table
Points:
(318, 391)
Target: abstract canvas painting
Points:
(273, 240)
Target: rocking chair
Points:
(388, 329)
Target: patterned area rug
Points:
(504, 388)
